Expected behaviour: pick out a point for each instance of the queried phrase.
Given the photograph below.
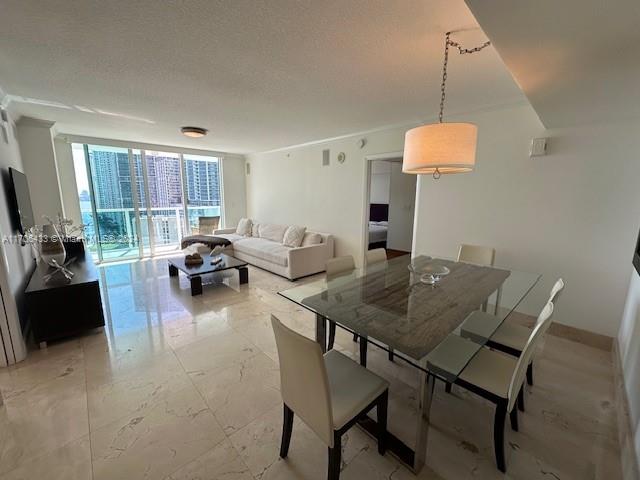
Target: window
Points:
(141, 202)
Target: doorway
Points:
(390, 206)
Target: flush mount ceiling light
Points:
(193, 132)
(443, 147)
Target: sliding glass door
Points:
(139, 203)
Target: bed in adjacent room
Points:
(378, 225)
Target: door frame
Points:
(368, 162)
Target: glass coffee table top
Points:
(226, 262)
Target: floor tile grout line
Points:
(86, 392)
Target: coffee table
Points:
(194, 272)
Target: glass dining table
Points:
(391, 305)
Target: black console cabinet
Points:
(60, 308)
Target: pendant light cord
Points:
(461, 50)
(443, 86)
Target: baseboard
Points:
(628, 457)
(596, 340)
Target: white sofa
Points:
(270, 254)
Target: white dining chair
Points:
(340, 265)
(476, 254)
(377, 255)
(499, 378)
(328, 392)
(335, 267)
(510, 337)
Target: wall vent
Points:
(325, 158)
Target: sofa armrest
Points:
(308, 260)
(224, 230)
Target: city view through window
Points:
(140, 202)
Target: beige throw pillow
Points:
(255, 232)
(311, 239)
(244, 227)
(293, 236)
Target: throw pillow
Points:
(311, 239)
(255, 229)
(293, 236)
(244, 227)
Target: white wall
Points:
(67, 179)
(402, 200)
(574, 213)
(39, 159)
(380, 181)
(629, 347)
(234, 189)
(16, 261)
(292, 186)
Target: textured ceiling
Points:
(258, 74)
(577, 61)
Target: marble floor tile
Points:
(215, 352)
(70, 462)
(155, 441)
(222, 462)
(41, 420)
(241, 392)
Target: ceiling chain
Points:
(461, 51)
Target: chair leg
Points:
(530, 374)
(521, 399)
(498, 435)
(391, 355)
(355, 337)
(335, 458)
(513, 416)
(447, 387)
(383, 403)
(287, 428)
(363, 352)
(332, 335)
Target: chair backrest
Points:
(476, 254)
(555, 294)
(517, 379)
(206, 225)
(338, 265)
(377, 255)
(303, 380)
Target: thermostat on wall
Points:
(538, 147)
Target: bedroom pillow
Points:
(311, 239)
(293, 236)
(244, 227)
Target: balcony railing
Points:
(118, 233)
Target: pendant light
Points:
(444, 147)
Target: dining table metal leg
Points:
(427, 384)
(321, 332)
(498, 298)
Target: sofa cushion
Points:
(293, 236)
(311, 238)
(232, 237)
(264, 249)
(272, 232)
(244, 227)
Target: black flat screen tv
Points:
(636, 255)
(22, 210)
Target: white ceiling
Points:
(578, 61)
(259, 75)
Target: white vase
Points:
(51, 247)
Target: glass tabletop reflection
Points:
(390, 305)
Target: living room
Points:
(216, 160)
